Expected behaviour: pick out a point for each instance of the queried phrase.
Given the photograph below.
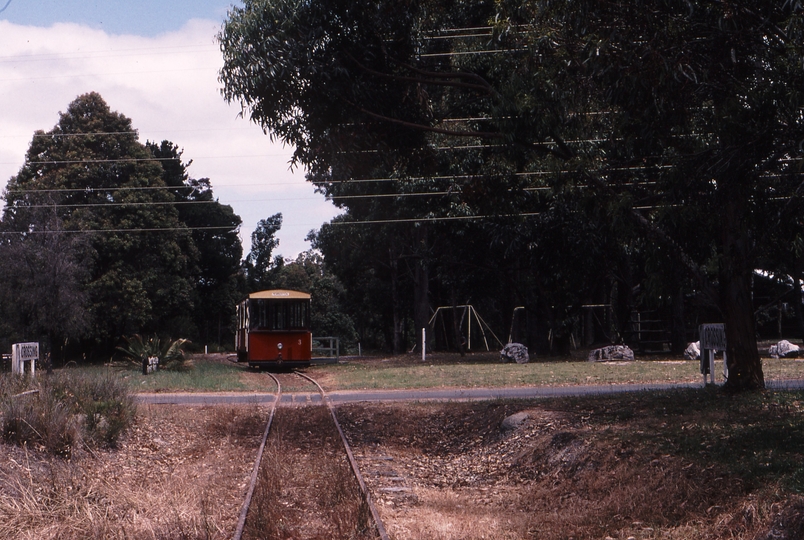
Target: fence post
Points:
(424, 343)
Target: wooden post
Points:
(424, 343)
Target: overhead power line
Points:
(89, 134)
(130, 160)
(91, 161)
(17, 191)
(105, 52)
(132, 132)
(433, 219)
(110, 204)
(470, 53)
(106, 74)
(132, 230)
(96, 190)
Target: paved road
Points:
(433, 394)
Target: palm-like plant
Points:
(170, 353)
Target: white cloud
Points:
(168, 86)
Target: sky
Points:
(157, 63)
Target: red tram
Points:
(273, 329)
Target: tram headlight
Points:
(279, 346)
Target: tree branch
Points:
(543, 148)
(424, 127)
(482, 88)
(483, 83)
(692, 267)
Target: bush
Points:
(42, 422)
(170, 353)
(68, 409)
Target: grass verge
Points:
(485, 370)
(210, 373)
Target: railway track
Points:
(290, 398)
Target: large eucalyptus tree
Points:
(660, 114)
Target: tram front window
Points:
(273, 315)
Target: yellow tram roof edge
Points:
(280, 294)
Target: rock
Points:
(514, 421)
(612, 352)
(514, 352)
(693, 351)
(784, 349)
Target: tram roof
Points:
(280, 294)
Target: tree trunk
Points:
(625, 302)
(745, 366)
(421, 300)
(456, 333)
(396, 304)
(678, 327)
(797, 308)
(589, 323)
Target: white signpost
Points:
(22, 353)
(713, 338)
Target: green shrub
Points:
(170, 353)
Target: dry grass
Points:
(306, 488)
(179, 474)
(64, 410)
(682, 466)
(689, 465)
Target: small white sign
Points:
(21, 353)
(713, 336)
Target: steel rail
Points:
(241, 522)
(352, 461)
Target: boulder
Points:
(612, 352)
(784, 349)
(693, 351)
(514, 352)
(514, 421)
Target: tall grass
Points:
(64, 410)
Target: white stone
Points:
(612, 352)
(514, 352)
(693, 351)
(784, 349)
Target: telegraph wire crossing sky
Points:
(156, 63)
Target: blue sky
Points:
(139, 17)
(157, 63)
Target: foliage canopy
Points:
(115, 226)
(674, 127)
